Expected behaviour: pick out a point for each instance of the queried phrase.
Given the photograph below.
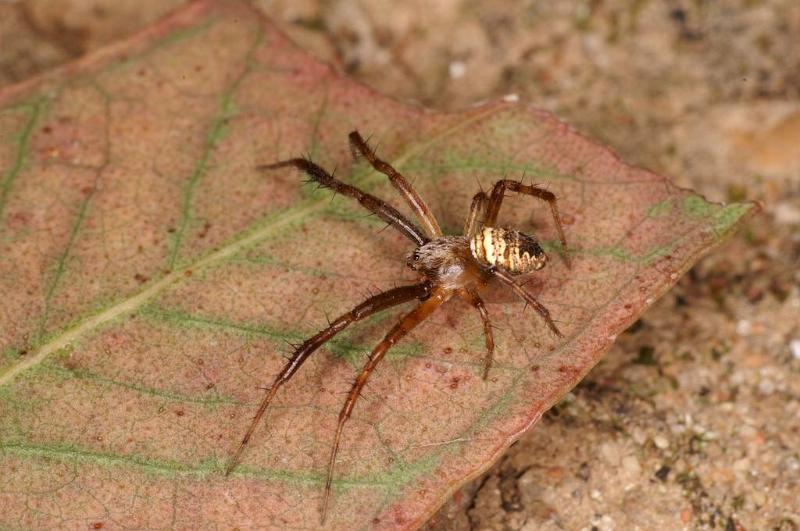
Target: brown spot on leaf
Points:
(204, 231)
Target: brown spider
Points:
(448, 266)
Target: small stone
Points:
(457, 69)
(529, 477)
(747, 431)
(610, 453)
(596, 495)
(742, 465)
(631, 465)
(604, 523)
(787, 214)
(677, 429)
(743, 327)
(759, 498)
(794, 347)
(766, 387)
(661, 442)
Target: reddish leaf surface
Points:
(150, 278)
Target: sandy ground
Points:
(692, 421)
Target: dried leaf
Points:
(151, 277)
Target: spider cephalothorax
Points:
(448, 266)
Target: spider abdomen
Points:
(510, 249)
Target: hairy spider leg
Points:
(372, 305)
(506, 278)
(496, 199)
(472, 297)
(400, 183)
(375, 205)
(403, 327)
(476, 213)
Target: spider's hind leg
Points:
(496, 200)
(507, 279)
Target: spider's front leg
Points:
(403, 327)
(496, 200)
(377, 206)
(477, 211)
(417, 204)
(372, 305)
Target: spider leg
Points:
(429, 223)
(372, 305)
(403, 327)
(377, 206)
(496, 199)
(472, 297)
(506, 278)
(477, 210)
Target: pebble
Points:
(528, 478)
(604, 523)
(631, 465)
(766, 387)
(610, 453)
(677, 429)
(457, 69)
(794, 347)
(661, 442)
(742, 465)
(787, 214)
(747, 431)
(743, 327)
(759, 498)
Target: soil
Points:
(692, 420)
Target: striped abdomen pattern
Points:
(510, 249)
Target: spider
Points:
(448, 266)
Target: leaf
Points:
(151, 277)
